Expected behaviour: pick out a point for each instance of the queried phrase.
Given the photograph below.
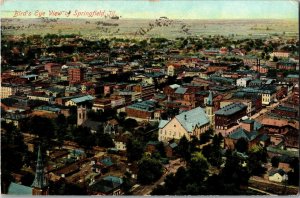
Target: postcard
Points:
(149, 97)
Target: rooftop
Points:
(231, 109)
(192, 118)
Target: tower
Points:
(81, 115)
(210, 109)
(40, 185)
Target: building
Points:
(75, 75)
(250, 130)
(141, 110)
(81, 115)
(268, 96)
(243, 82)
(147, 91)
(277, 175)
(190, 123)
(101, 104)
(209, 109)
(228, 116)
(8, 90)
(79, 100)
(248, 102)
(286, 65)
(109, 185)
(280, 54)
(53, 68)
(39, 185)
(283, 111)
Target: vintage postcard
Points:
(149, 97)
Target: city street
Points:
(172, 167)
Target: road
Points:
(260, 115)
(172, 167)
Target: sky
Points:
(150, 9)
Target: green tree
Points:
(242, 145)
(183, 148)
(135, 150)
(149, 170)
(198, 167)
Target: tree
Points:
(257, 155)
(135, 150)
(149, 170)
(275, 59)
(242, 145)
(129, 124)
(275, 161)
(183, 148)
(198, 167)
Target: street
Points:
(172, 167)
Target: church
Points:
(39, 185)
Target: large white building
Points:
(243, 82)
(190, 123)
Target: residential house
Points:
(277, 175)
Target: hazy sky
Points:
(175, 9)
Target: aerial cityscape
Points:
(149, 97)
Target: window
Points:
(174, 125)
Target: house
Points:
(170, 149)
(151, 146)
(109, 185)
(190, 123)
(277, 175)
(101, 104)
(121, 140)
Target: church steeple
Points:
(40, 186)
(210, 109)
(210, 99)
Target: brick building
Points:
(141, 110)
(147, 91)
(229, 115)
(76, 75)
(53, 68)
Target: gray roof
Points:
(18, 189)
(192, 118)
(82, 99)
(162, 123)
(181, 90)
(231, 109)
(242, 133)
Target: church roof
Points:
(192, 118)
(18, 189)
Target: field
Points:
(141, 28)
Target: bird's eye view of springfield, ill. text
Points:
(149, 97)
